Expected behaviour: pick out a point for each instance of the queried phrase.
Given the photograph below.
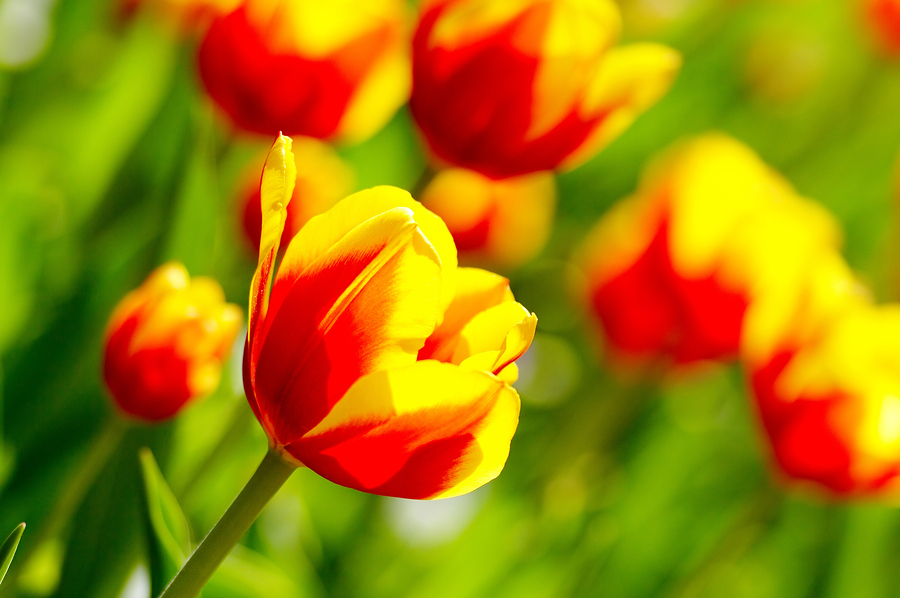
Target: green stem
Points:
(271, 475)
(425, 179)
(72, 492)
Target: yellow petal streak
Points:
(418, 398)
(276, 187)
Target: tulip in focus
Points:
(336, 69)
(502, 223)
(322, 180)
(831, 409)
(165, 343)
(884, 20)
(713, 237)
(510, 88)
(375, 362)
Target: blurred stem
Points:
(72, 493)
(425, 179)
(271, 475)
(240, 420)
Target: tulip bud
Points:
(507, 89)
(322, 179)
(503, 223)
(338, 367)
(831, 409)
(884, 20)
(166, 341)
(336, 69)
(711, 237)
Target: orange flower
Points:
(884, 19)
(713, 239)
(336, 69)
(831, 408)
(503, 223)
(165, 343)
(322, 180)
(375, 361)
(509, 88)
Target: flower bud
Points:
(376, 362)
(501, 223)
(831, 408)
(712, 237)
(507, 89)
(166, 341)
(322, 179)
(336, 69)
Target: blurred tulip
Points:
(831, 408)
(510, 88)
(335, 368)
(501, 223)
(322, 180)
(334, 69)
(712, 237)
(884, 19)
(166, 341)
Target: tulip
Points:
(322, 180)
(511, 88)
(831, 408)
(503, 223)
(375, 361)
(884, 19)
(165, 343)
(712, 238)
(324, 69)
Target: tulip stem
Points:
(72, 492)
(428, 174)
(271, 475)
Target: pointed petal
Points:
(487, 331)
(323, 231)
(275, 188)
(476, 290)
(429, 430)
(367, 303)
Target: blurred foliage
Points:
(111, 162)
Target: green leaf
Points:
(168, 532)
(8, 550)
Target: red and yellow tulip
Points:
(323, 179)
(831, 408)
(712, 239)
(330, 70)
(165, 343)
(510, 88)
(375, 361)
(501, 223)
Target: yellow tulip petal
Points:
(276, 187)
(429, 430)
(487, 331)
(323, 231)
(367, 303)
(476, 290)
